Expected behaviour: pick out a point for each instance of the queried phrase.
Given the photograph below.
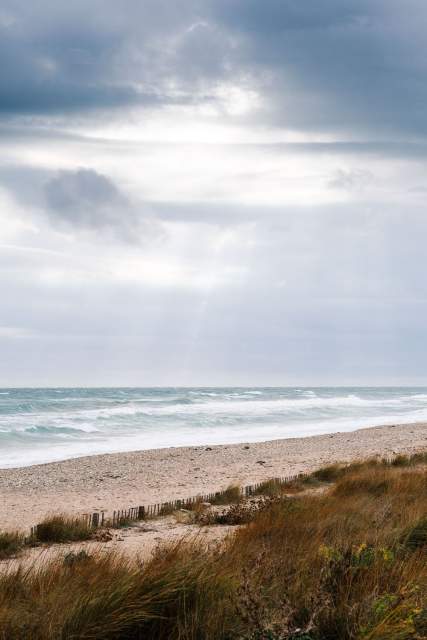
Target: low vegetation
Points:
(11, 543)
(330, 473)
(276, 486)
(62, 528)
(230, 495)
(345, 563)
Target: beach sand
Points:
(138, 541)
(122, 480)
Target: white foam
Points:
(128, 420)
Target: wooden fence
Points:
(145, 512)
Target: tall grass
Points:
(277, 487)
(346, 564)
(231, 495)
(62, 528)
(11, 543)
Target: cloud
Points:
(326, 297)
(350, 68)
(60, 59)
(281, 146)
(84, 199)
(351, 180)
(80, 200)
(341, 66)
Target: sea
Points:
(44, 425)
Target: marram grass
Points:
(346, 560)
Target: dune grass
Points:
(330, 473)
(277, 487)
(231, 495)
(349, 563)
(62, 528)
(11, 543)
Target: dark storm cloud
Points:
(339, 65)
(346, 65)
(308, 259)
(57, 57)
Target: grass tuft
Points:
(231, 495)
(416, 537)
(401, 461)
(418, 458)
(329, 473)
(11, 543)
(277, 487)
(62, 528)
(348, 563)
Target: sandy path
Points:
(118, 481)
(136, 542)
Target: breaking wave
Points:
(40, 425)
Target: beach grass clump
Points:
(231, 495)
(401, 461)
(62, 528)
(418, 458)
(11, 543)
(347, 563)
(374, 483)
(416, 536)
(336, 471)
(381, 482)
(108, 597)
(329, 473)
(277, 487)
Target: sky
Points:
(213, 192)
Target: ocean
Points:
(43, 425)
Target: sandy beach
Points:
(118, 481)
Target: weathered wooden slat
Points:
(143, 511)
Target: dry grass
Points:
(329, 473)
(111, 598)
(277, 487)
(347, 564)
(62, 528)
(11, 543)
(231, 495)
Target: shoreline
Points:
(203, 445)
(120, 480)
